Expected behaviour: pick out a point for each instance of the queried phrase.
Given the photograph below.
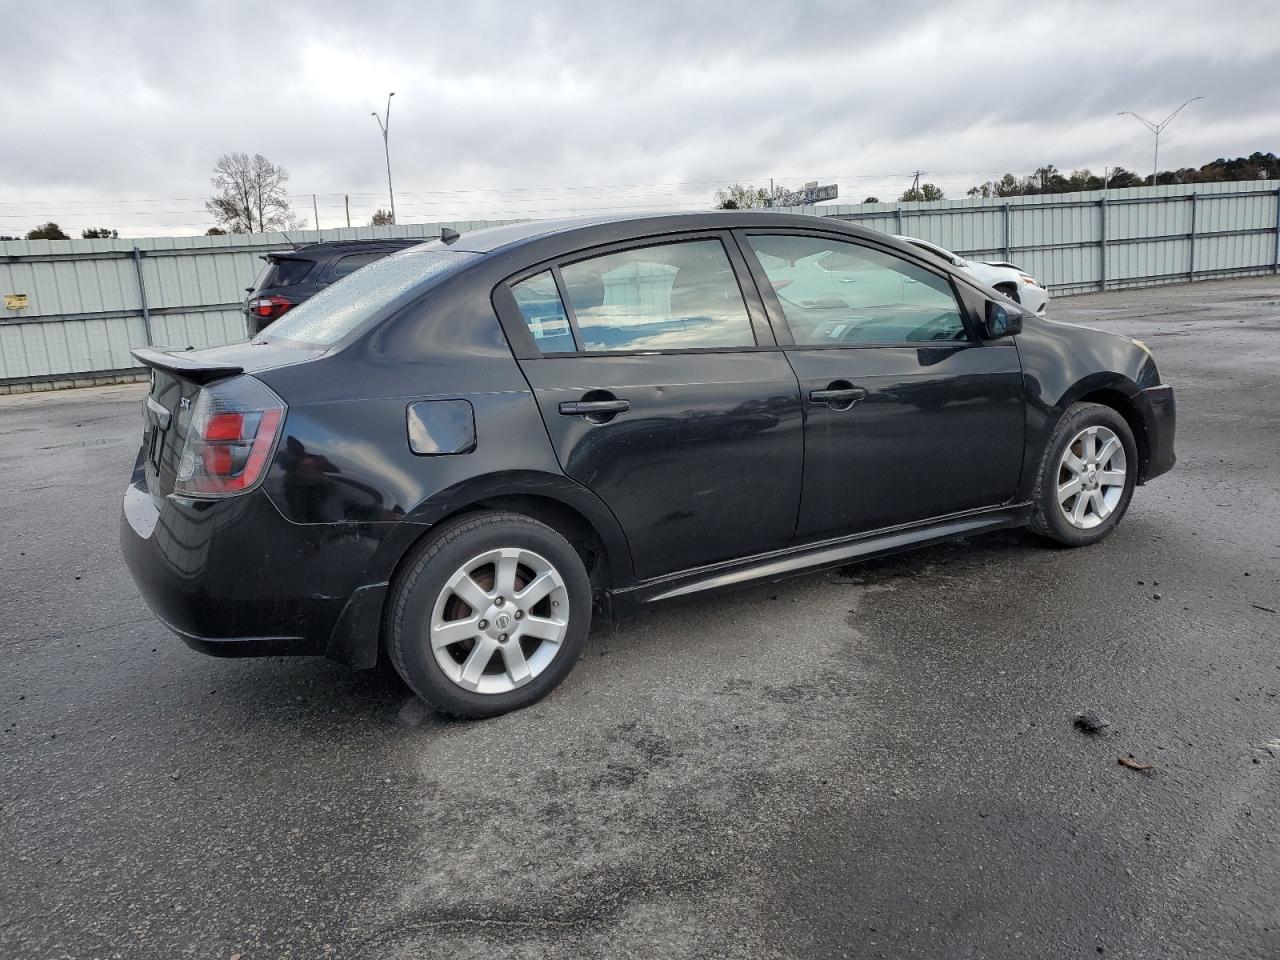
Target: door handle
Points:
(840, 395)
(584, 408)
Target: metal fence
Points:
(72, 309)
(87, 302)
(1100, 240)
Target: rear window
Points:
(285, 271)
(354, 261)
(338, 309)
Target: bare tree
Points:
(251, 196)
(382, 218)
(737, 196)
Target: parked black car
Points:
(458, 453)
(291, 277)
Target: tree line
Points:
(250, 196)
(1046, 179)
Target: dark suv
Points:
(290, 278)
(461, 452)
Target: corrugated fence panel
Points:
(84, 305)
(1062, 239)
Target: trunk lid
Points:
(176, 380)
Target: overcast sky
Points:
(113, 113)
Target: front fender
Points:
(1062, 363)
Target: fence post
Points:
(142, 293)
(1276, 268)
(1191, 254)
(899, 213)
(1102, 243)
(1008, 246)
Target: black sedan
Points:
(457, 455)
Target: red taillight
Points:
(229, 440)
(270, 308)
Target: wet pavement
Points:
(878, 761)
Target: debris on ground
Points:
(1136, 765)
(1258, 606)
(1091, 722)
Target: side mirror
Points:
(1001, 320)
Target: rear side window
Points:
(353, 262)
(834, 293)
(341, 307)
(286, 271)
(674, 296)
(544, 313)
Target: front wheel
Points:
(489, 615)
(1086, 477)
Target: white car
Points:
(1018, 286)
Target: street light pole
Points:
(1156, 128)
(385, 127)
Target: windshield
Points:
(338, 309)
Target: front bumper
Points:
(234, 578)
(1159, 417)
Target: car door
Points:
(908, 415)
(664, 392)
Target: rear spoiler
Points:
(189, 368)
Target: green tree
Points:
(99, 233)
(870, 199)
(215, 232)
(382, 218)
(924, 192)
(739, 196)
(47, 231)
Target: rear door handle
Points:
(584, 408)
(839, 397)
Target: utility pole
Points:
(346, 202)
(385, 127)
(1156, 128)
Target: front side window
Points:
(675, 296)
(544, 313)
(834, 293)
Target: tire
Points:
(508, 663)
(1100, 497)
(1009, 291)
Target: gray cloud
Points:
(114, 114)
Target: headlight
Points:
(1029, 281)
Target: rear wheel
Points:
(489, 615)
(1086, 477)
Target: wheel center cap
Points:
(1093, 479)
(502, 621)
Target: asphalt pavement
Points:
(878, 761)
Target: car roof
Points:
(592, 230)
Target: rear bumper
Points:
(234, 578)
(1160, 417)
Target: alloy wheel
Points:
(1091, 477)
(500, 620)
